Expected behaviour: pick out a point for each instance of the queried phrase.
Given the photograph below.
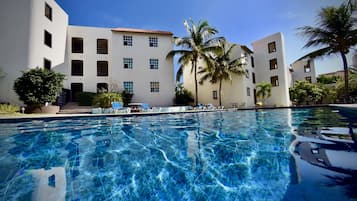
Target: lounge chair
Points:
(145, 107)
(117, 106)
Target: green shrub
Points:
(8, 109)
(182, 95)
(127, 97)
(38, 86)
(305, 93)
(85, 98)
(104, 100)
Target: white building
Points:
(266, 64)
(303, 70)
(38, 35)
(238, 93)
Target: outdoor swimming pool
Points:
(272, 155)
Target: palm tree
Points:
(197, 45)
(336, 33)
(221, 67)
(263, 91)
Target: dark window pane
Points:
(77, 68)
(272, 47)
(48, 11)
(75, 89)
(47, 64)
(252, 61)
(102, 46)
(253, 78)
(274, 81)
(77, 45)
(102, 68)
(48, 39)
(102, 87)
(215, 95)
(273, 64)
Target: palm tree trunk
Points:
(194, 63)
(345, 69)
(220, 93)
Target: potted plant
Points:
(38, 89)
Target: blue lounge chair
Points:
(117, 106)
(145, 107)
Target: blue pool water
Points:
(270, 155)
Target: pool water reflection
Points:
(246, 155)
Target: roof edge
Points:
(144, 31)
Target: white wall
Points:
(234, 93)
(299, 72)
(21, 40)
(280, 94)
(89, 57)
(141, 74)
(58, 29)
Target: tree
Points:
(182, 95)
(38, 86)
(197, 45)
(221, 67)
(304, 92)
(263, 91)
(327, 79)
(336, 33)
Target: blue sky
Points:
(239, 21)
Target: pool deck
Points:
(29, 117)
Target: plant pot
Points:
(50, 109)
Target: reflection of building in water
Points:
(192, 147)
(332, 155)
(325, 158)
(49, 184)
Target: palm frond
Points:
(316, 53)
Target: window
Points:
(127, 40)
(129, 87)
(102, 46)
(215, 95)
(47, 64)
(253, 77)
(248, 91)
(274, 81)
(247, 73)
(271, 47)
(307, 67)
(77, 68)
(308, 79)
(48, 11)
(154, 86)
(128, 63)
(252, 61)
(102, 68)
(75, 89)
(153, 41)
(154, 64)
(77, 45)
(48, 39)
(102, 87)
(273, 64)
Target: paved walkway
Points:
(74, 108)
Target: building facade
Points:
(266, 63)
(303, 70)
(236, 93)
(93, 59)
(33, 34)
